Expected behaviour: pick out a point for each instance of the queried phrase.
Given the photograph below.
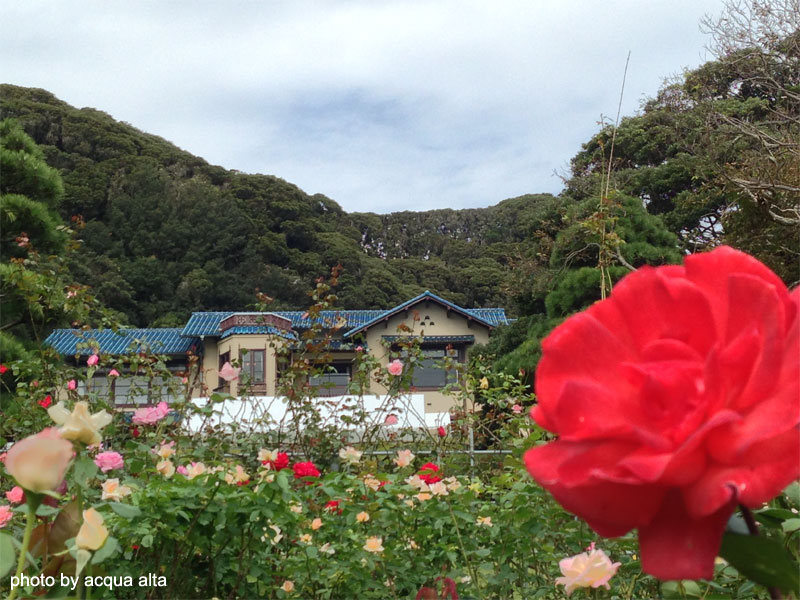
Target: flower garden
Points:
(658, 458)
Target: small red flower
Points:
(135, 432)
(305, 469)
(442, 432)
(427, 473)
(135, 547)
(3, 369)
(46, 402)
(281, 462)
(333, 506)
(241, 483)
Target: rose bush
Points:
(674, 400)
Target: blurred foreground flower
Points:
(39, 462)
(674, 400)
(228, 373)
(588, 569)
(92, 534)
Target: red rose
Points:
(675, 399)
(46, 401)
(281, 461)
(427, 473)
(441, 431)
(305, 469)
(333, 506)
(3, 369)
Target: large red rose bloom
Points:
(674, 400)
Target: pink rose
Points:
(93, 360)
(39, 462)
(228, 373)
(674, 400)
(517, 409)
(15, 495)
(109, 460)
(395, 367)
(72, 385)
(150, 414)
(113, 373)
(390, 420)
(183, 470)
(5, 515)
(589, 569)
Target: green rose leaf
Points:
(763, 560)
(108, 549)
(126, 511)
(85, 470)
(7, 554)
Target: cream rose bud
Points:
(166, 468)
(80, 424)
(39, 462)
(92, 534)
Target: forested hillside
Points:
(713, 158)
(165, 233)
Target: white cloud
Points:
(380, 105)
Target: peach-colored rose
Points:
(404, 458)
(39, 462)
(166, 450)
(362, 517)
(316, 523)
(350, 455)
(195, 469)
(166, 468)
(112, 490)
(80, 424)
(374, 544)
(588, 569)
(485, 521)
(288, 586)
(93, 533)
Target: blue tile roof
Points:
(443, 339)
(488, 320)
(257, 329)
(207, 323)
(122, 341)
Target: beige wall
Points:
(234, 344)
(432, 320)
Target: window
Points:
(429, 371)
(128, 390)
(334, 381)
(253, 366)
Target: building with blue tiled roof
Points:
(254, 342)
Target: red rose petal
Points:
(676, 546)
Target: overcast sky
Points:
(380, 105)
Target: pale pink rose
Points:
(93, 360)
(228, 373)
(185, 380)
(151, 414)
(588, 569)
(72, 384)
(182, 470)
(395, 367)
(113, 373)
(109, 460)
(39, 462)
(15, 495)
(5, 515)
(359, 348)
(166, 450)
(390, 420)
(93, 533)
(517, 409)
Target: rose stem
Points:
(752, 527)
